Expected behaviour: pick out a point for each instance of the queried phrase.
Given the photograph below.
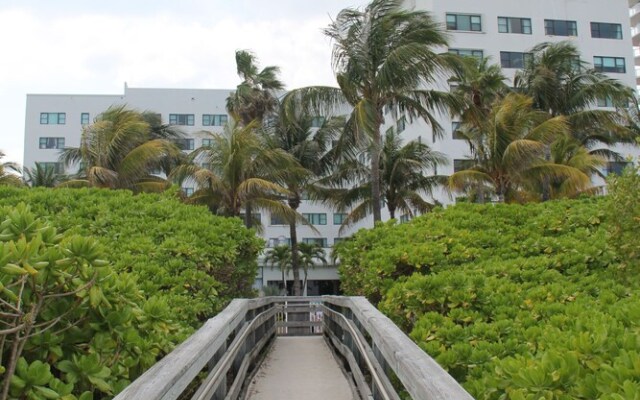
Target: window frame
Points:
(454, 25)
(316, 218)
(467, 52)
(85, 118)
(185, 144)
(214, 119)
(47, 139)
(509, 23)
(207, 142)
(341, 218)
(599, 25)
(612, 70)
(526, 57)
(45, 118)
(551, 27)
(323, 242)
(178, 119)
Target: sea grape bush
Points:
(516, 302)
(84, 310)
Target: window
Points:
(214, 119)
(609, 64)
(57, 167)
(617, 167)
(338, 218)
(606, 31)
(606, 102)
(558, 27)
(468, 52)
(513, 59)
(317, 122)
(185, 144)
(514, 25)
(188, 191)
(455, 131)
(84, 118)
(338, 240)
(207, 142)
(405, 218)
(464, 22)
(52, 143)
(461, 165)
(181, 119)
(401, 125)
(322, 242)
(53, 118)
(255, 217)
(316, 219)
(277, 220)
(273, 242)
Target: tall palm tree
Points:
(240, 169)
(560, 83)
(508, 150)
(43, 176)
(118, 152)
(479, 84)
(292, 130)
(310, 254)
(9, 173)
(280, 257)
(256, 96)
(385, 56)
(404, 180)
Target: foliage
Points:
(624, 213)
(195, 261)
(42, 176)
(119, 151)
(8, 173)
(517, 302)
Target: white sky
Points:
(93, 47)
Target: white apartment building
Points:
(501, 29)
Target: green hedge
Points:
(516, 302)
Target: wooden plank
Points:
(361, 383)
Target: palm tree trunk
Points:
(295, 259)
(375, 174)
(248, 221)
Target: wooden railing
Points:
(215, 361)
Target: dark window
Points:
(181, 119)
(273, 242)
(317, 122)
(322, 242)
(609, 64)
(401, 125)
(514, 25)
(464, 22)
(558, 27)
(185, 144)
(617, 167)
(207, 142)
(188, 191)
(604, 30)
(214, 119)
(277, 220)
(513, 59)
(338, 218)
(57, 167)
(53, 118)
(461, 165)
(51, 142)
(455, 130)
(316, 219)
(606, 102)
(467, 52)
(256, 218)
(84, 118)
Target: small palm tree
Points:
(43, 176)
(241, 169)
(310, 254)
(9, 173)
(118, 152)
(384, 57)
(280, 257)
(404, 180)
(508, 151)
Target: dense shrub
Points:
(96, 286)
(516, 302)
(623, 212)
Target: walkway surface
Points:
(299, 368)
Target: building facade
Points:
(503, 30)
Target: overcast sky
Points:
(94, 47)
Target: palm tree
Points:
(118, 152)
(8, 173)
(240, 169)
(560, 83)
(403, 180)
(309, 255)
(292, 130)
(43, 176)
(256, 96)
(384, 57)
(280, 257)
(508, 151)
(478, 85)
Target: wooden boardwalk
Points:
(300, 368)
